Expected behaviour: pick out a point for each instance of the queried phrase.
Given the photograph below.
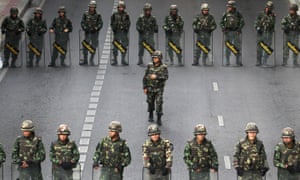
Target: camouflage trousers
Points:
(92, 39)
(203, 37)
(267, 38)
(61, 174)
(292, 37)
(199, 175)
(175, 38)
(122, 37)
(39, 44)
(55, 52)
(251, 175)
(284, 174)
(110, 174)
(156, 176)
(149, 38)
(234, 38)
(31, 173)
(155, 97)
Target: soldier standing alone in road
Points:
(232, 23)
(265, 27)
(250, 159)
(28, 152)
(154, 82)
(174, 28)
(112, 153)
(64, 154)
(200, 155)
(146, 25)
(287, 156)
(120, 24)
(203, 25)
(36, 27)
(157, 155)
(91, 23)
(12, 26)
(61, 26)
(290, 25)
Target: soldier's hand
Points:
(96, 166)
(3, 31)
(66, 30)
(153, 76)
(51, 30)
(145, 91)
(165, 171)
(24, 164)
(291, 169)
(239, 171)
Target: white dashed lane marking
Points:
(215, 86)
(221, 120)
(227, 162)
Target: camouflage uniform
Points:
(36, 28)
(232, 23)
(173, 26)
(287, 158)
(2, 155)
(157, 156)
(64, 156)
(12, 27)
(120, 24)
(91, 23)
(203, 26)
(155, 87)
(146, 25)
(200, 157)
(30, 150)
(59, 25)
(113, 155)
(265, 25)
(290, 24)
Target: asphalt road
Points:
(49, 96)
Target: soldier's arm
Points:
(236, 155)
(40, 155)
(164, 75)
(263, 155)
(4, 25)
(155, 25)
(181, 23)
(43, 29)
(146, 158)
(214, 157)
(242, 22)
(52, 155)
(96, 157)
(15, 152)
(99, 22)
(213, 24)
(277, 158)
(28, 27)
(21, 26)
(127, 26)
(2, 154)
(169, 155)
(126, 156)
(257, 21)
(187, 155)
(146, 77)
(222, 22)
(83, 22)
(70, 26)
(138, 25)
(166, 26)
(76, 155)
(113, 23)
(53, 24)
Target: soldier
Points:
(290, 24)
(61, 26)
(146, 25)
(250, 159)
(204, 24)
(200, 155)
(12, 26)
(28, 152)
(265, 25)
(157, 155)
(91, 24)
(36, 28)
(2, 155)
(174, 28)
(154, 81)
(64, 154)
(112, 153)
(287, 156)
(232, 23)
(120, 24)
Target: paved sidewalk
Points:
(5, 6)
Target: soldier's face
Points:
(62, 137)
(155, 137)
(147, 12)
(173, 12)
(155, 60)
(37, 15)
(61, 14)
(92, 9)
(287, 140)
(251, 136)
(112, 134)
(292, 12)
(26, 133)
(121, 9)
(200, 137)
(14, 15)
(205, 11)
(229, 8)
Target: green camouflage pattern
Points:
(287, 156)
(2, 155)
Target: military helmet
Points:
(231, 3)
(14, 10)
(270, 5)
(115, 126)
(153, 129)
(93, 4)
(61, 9)
(147, 6)
(200, 129)
(27, 125)
(173, 7)
(121, 4)
(294, 7)
(251, 127)
(38, 11)
(204, 6)
(158, 54)
(288, 132)
(63, 129)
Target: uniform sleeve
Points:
(126, 155)
(83, 22)
(155, 25)
(97, 154)
(53, 24)
(257, 21)
(21, 26)
(43, 29)
(164, 75)
(146, 159)
(2, 154)
(99, 22)
(187, 155)
(40, 155)
(169, 155)
(180, 23)
(236, 155)
(263, 155)
(4, 25)
(166, 26)
(52, 155)
(146, 77)
(284, 24)
(76, 155)
(28, 26)
(222, 22)
(15, 152)
(69, 25)
(214, 157)
(277, 157)
(213, 24)
(127, 25)
(113, 23)
(242, 22)
(138, 25)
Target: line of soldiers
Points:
(112, 155)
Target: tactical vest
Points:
(148, 23)
(232, 21)
(64, 152)
(173, 24)
(267, 22)
(157, 153)
(294, 23)
(156, 83)
(121, 21)
(36, 25)
(112, 152)
(28, 148)
(200, 154)
(91, 20)
(290, 157)
(61, 24)
(203, 22)
(13, 24)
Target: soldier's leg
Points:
(125, 42)
(115, 49)
(179, 55)
(64, 45)
(206, 41)
(197, 52)
(169, 49)
(267, 38)
(53, 57)
(141, 50)
(87, 38)
(295, 56)
(36, 173)
(159, 106)
(40, 46)
(237, 42)
(95, 43)
(116, 176)
(24, 174)
(259, 50)
(14, 57)
(151, 107)
(227, 37)
(105, 174)
(30, 60)
(6, 57)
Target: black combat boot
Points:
(114, 61)
(180, 61)
(140, 62)
(13, 63)
(92, 60)
(195, 62)
(62, 63)
(150, 119)
(124, 63)
(159, 119)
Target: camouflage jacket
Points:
(12, 26)
(289, 23)
(265, 22)
(91, 23)
(64, 152)
(286, 156)
(173, 24)
(29, 149)
(157, 84)
(112, 154)
(232, 21)
(120, 22)
(2, 155)
(204, 23)
(201, 156)
(58, 25)
(250, 156)
(146, 25)
(158, 154)
(35, 28)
